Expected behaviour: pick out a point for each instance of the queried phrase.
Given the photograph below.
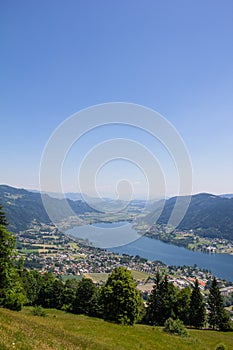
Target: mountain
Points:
(74, 196)
(207, 214)
(227, 195)
(23, 207)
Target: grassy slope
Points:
(59, 330)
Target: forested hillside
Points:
(22, 207)
(207, 215)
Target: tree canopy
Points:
(197, 307)
(86, 298)
(183, 304)
(3, 220)
(120, 298)
(218, 317)
(11, 290)
(162, 301)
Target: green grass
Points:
(97, 277)
(74, 277)
(28, 251)
(139, 275)
(61, 331)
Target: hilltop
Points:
(60, 330)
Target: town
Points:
(188, 239)
(45, 248)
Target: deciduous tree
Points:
(86, 300)
(46, 297)
(183, 304)
(11, 291)
(120, 298)
(32, 282)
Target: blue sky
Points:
(174, 56)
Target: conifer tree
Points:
(3, 220)
(218, 317)
(197, 307)
(162, 302)
(154, 302)
(168, 306)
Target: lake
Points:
(120, 237)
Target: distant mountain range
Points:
(69, 195)
(227, 195)
(207, 214)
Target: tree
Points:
(197, 307)
(11, 291)
(162, 302)
(32, 282)
(58, 294)
(120, 298)
(45, 296)
(154, 301)
(183, 304)
(69, 294)
(86, 300)
(218, 317)
(3, 220)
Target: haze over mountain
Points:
(74, 196)
(227, 195)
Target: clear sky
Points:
(174, 56)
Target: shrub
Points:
(175, 327)
(38, 311)
(220, 347)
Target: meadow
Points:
(60, 331)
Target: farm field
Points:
(102, 277)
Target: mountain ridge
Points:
(208, 214)
(23, 207)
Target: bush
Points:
(175, 327)
(220, 347)
(12, 299)
(38, 311)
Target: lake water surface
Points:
(121, 238)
